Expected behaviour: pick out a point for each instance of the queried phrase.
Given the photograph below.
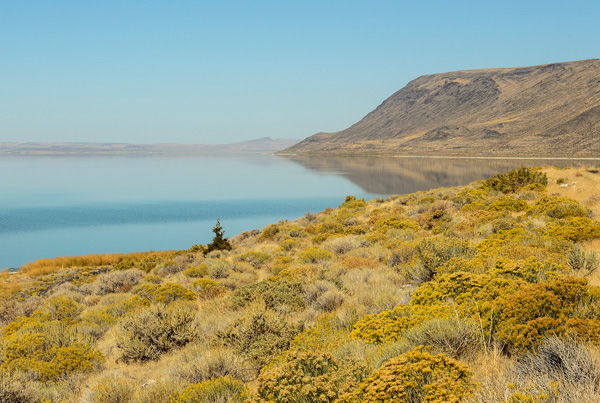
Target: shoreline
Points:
(437, 156)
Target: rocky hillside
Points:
(546, 111)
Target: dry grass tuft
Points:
(47, 266)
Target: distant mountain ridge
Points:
(262, 145)
(550, 110)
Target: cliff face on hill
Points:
(543, 111)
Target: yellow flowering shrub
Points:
(538, 310)
(355, 230)
(313, 376)
(352, 202)
(416, 376)
(389, 325)
(329, 228)
(165, 293)
(51, 348)
(325, 335)
(222, 389)
(475, 264)
(575, 229)
(493, 242)
(559, 207)
(454, 287)
(315, 255)
(38, 352)
(507, 203)
(473, 207)
(62, 308)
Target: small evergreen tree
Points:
(218, 243)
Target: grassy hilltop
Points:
(483, 293)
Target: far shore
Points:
(434, 156)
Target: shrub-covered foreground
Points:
(481, 293)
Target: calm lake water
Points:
(56, 206)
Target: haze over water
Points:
(56, 206)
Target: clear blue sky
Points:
(226, 71)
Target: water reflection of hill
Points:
(399, 175)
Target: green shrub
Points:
(513, 180)
(273, 291)
(218, 242)
(329, 228)
(288, 244)
(431, 253)
(197, 271)
(352, 202)
(310, 376)
(269, 232)
(471, 196)
(147, 333)
(152, 279)
(259, 336)
(256, 259)
(208, 288)
(62, 309)
(455, 338)
(218, 390)
(579, 260)
(415, 377)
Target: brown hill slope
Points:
(543, 111)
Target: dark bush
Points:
(513, 180)
(273, 292)
(259, 336)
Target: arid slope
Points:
(544, 111)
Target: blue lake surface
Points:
(56, 206)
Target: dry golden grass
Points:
(581, 184)
(46, 266)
